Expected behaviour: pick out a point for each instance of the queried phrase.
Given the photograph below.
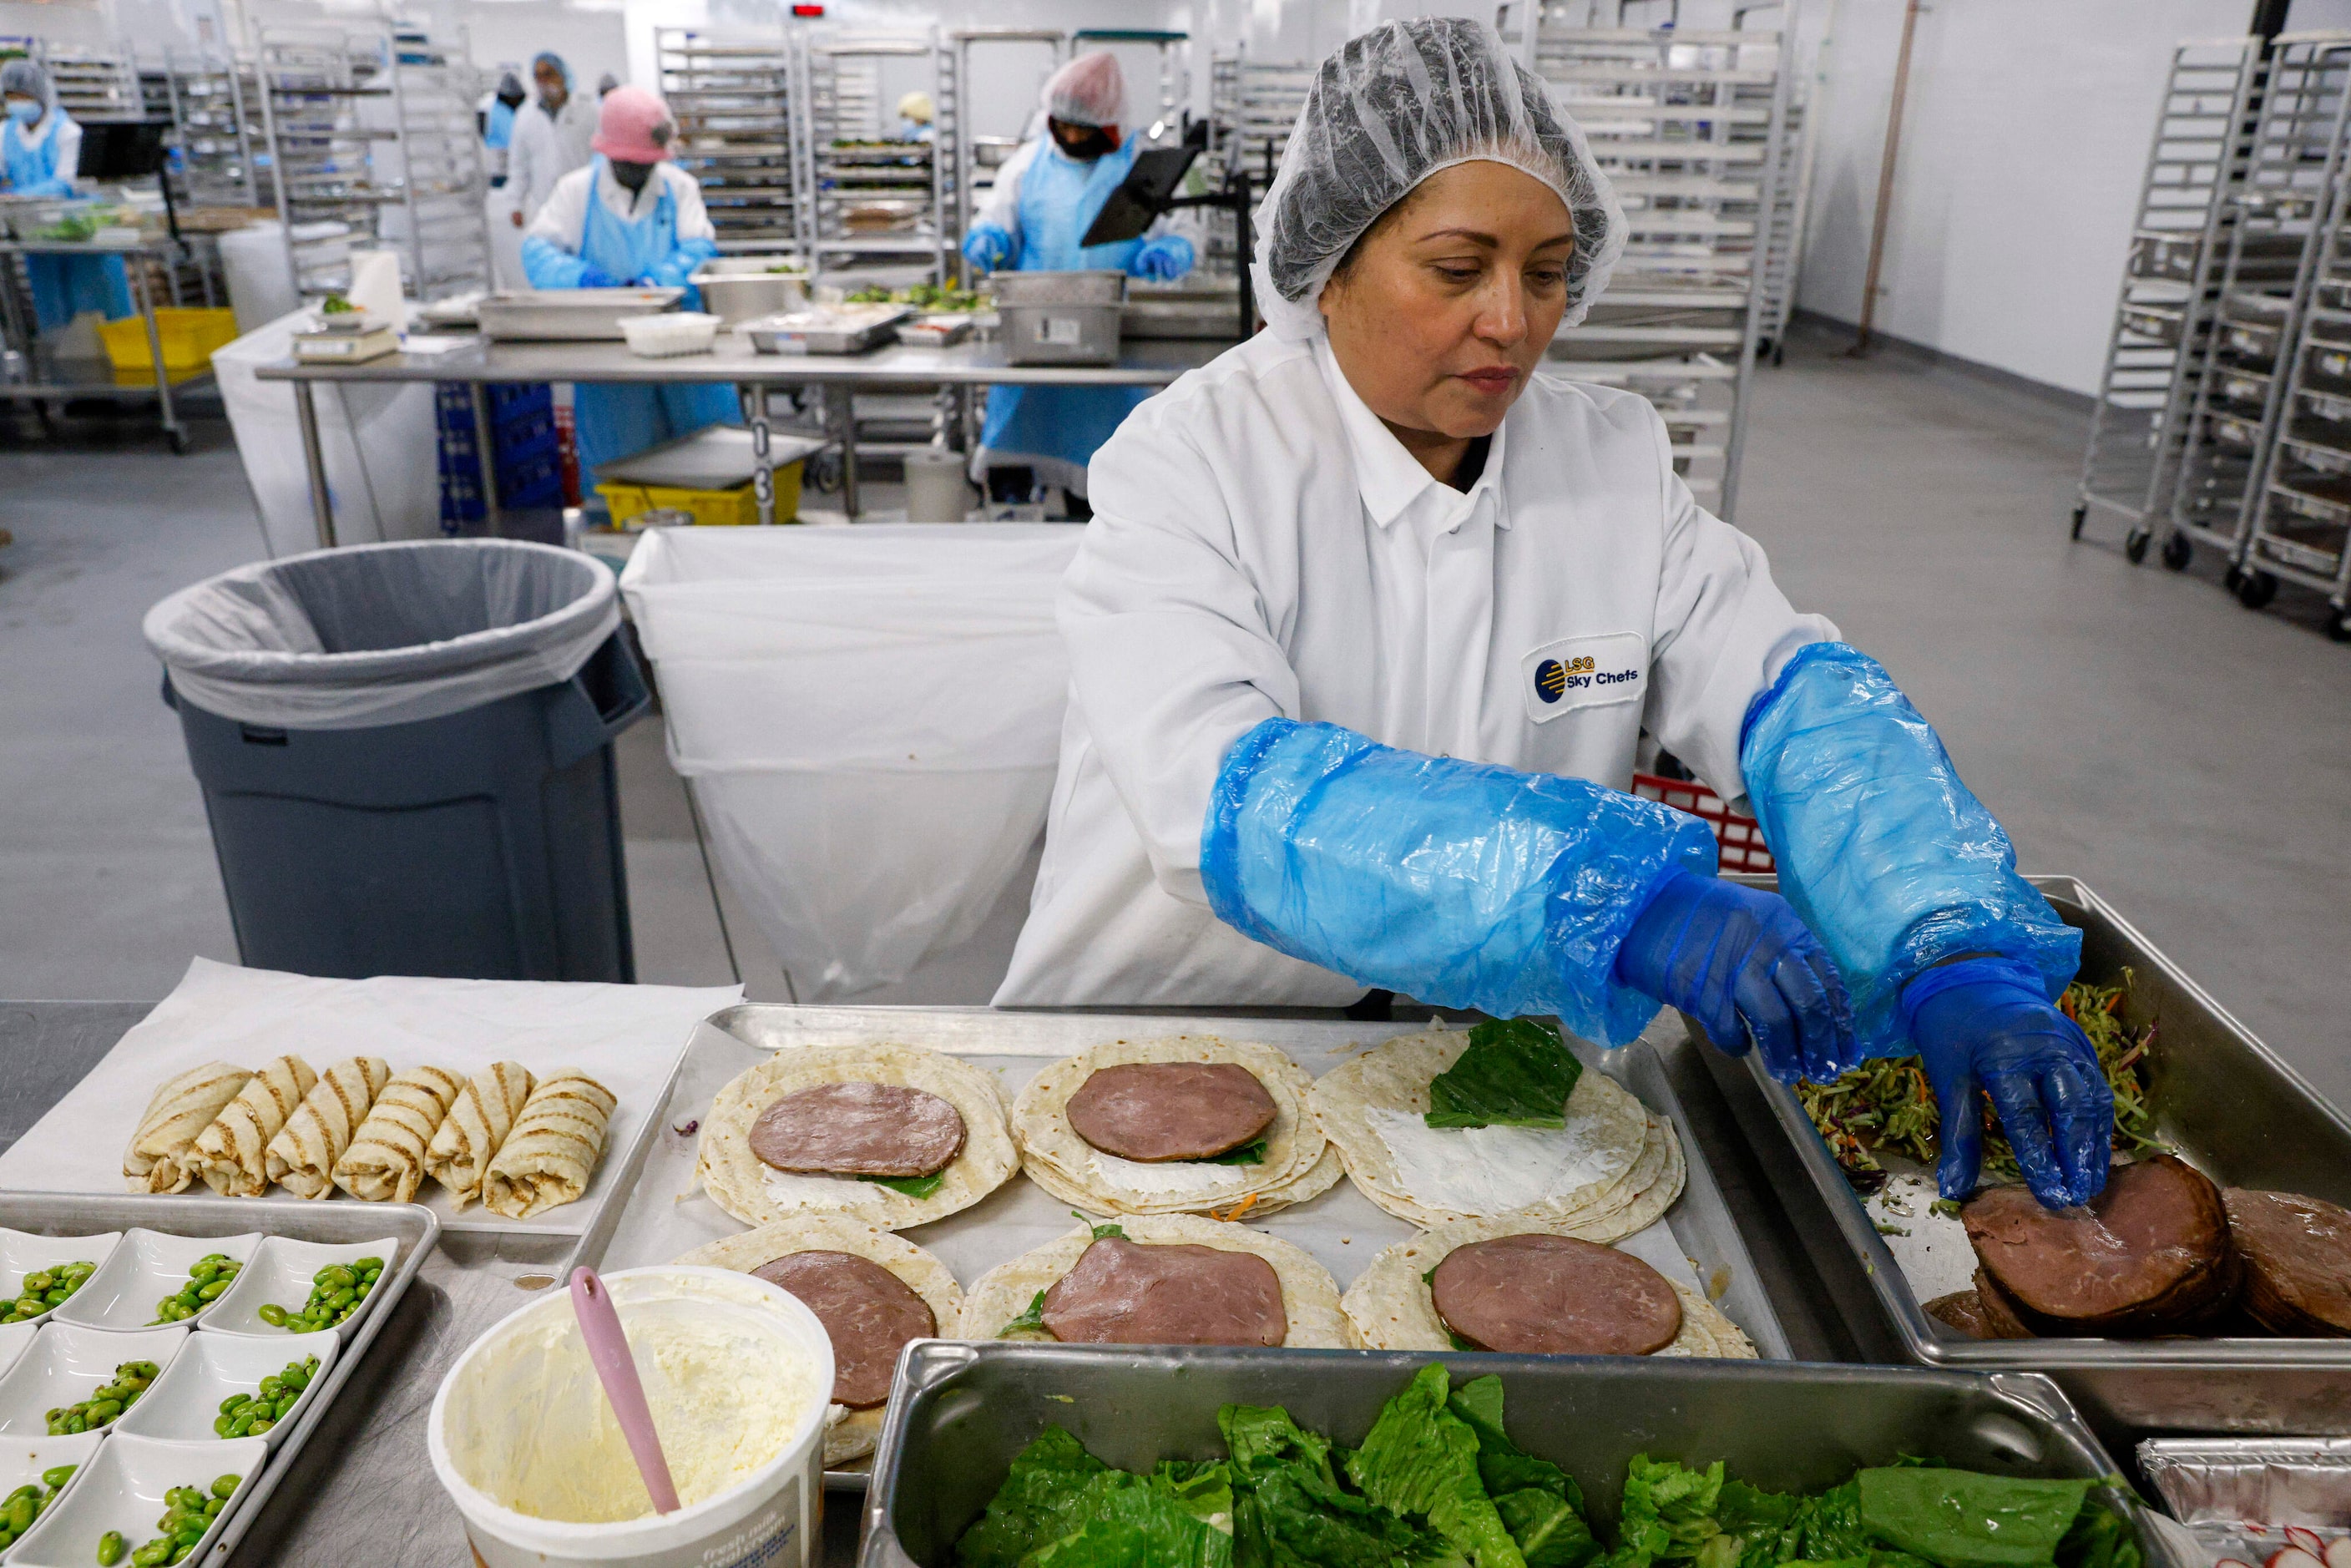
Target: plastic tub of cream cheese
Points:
(739, 1375)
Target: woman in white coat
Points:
(1372, 617)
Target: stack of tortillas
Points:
(1298, 1162)
(1614, 1169)
(1391, 1304)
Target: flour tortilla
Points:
(747, 1189)
(1390, 1306)
(1074, 1171)
(1310, 1297)
(853, 1433)
(1394, 1077)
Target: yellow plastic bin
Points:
(188, 336)
(707, 475)
(737, 505)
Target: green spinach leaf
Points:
(1515, 1073)
(1250, 1153)
(1030, 1324)
(912, 1187)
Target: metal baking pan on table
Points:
(75, 1214)
(2220, 1096)
(958, 1413)
(827, 329)
(568, 315)
(1342, 1227)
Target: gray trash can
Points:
(406, 756)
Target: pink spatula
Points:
(608, 1348)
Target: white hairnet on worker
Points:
(1089, 91)
(1389, 109)
(20, 78)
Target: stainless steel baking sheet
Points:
(2230, 1105)
(568, 315)
(67, 1214)
(959, 1412)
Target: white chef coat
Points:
(545, 148)
(1263, 546)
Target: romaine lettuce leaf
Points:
(1121, 1521)
(1421, 1460)
(1668, 1513)
(1290, 1512)
(1059, 1507)
(1515, 1073)
(1035, 1505)
(1963, 1518)
(1538, 1502)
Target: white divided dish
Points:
(66, 1364)
(670, 334)
(23, 1459)
(123, 1489)
(186, 1400)
(280, 1273)
(16, 1339)
(146, 1267)
(22, 1254)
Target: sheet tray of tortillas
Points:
(507, 1106)
(1637, 1167)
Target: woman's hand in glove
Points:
(597, 277)
(1988, 1024)
(1742, 963)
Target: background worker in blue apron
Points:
(631, 218)
(41, 149)
(1045, 198)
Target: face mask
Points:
(1083, 142)
(23, 111)
(631, 175)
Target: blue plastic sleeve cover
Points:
(1891, 861)
(1458, 883)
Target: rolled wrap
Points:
(478, 1122)
(157, 1159)
(385, 1162)
(302, 1157)
(232, 1154)
(548, 1158)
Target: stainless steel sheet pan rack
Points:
(2222, 1098)
(879, 209)
(733, 99)
(2180, 236)
(215, 101)
(1689, 125)
(973, 150)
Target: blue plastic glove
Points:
(986, 246)
(1742, 963)
(1987, 1024)
(597, 277)
(1460, 883)
(1162, 260)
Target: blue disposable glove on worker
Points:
(1161, 260)
(1986, 1026)
(1458, 883)
(1742, 963)
(597, 277)
(987, 247)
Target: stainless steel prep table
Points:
(731, 362)
(364, 1492)
(56, 380)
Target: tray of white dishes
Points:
(163, 1359)
(951, 1173)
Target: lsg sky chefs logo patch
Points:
(1583, 671)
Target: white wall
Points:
(2024, 143)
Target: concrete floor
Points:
(2189, 760)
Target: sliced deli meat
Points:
(859, 1129)
(2149, 1255)
(868, 1312)
(1158, 1110)
(1976, 1316)
(2297, 1258)
(1127, 1292)
(1554, 1295)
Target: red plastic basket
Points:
(1738, 839)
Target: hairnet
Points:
(633, 126)
(1089, 91)
(549, 58)
(22, 78)
(606, 83)
(917, 106)
(1387, 109)
(510, 87)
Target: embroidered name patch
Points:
(1583, 671)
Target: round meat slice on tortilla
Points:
(868, 1312)
(1177, 1179)
(1153, 1111)
(853, 1433)
(757, 1193)
(2297, 1253)
(859, 1129)
(1393, 1304)
(1308, 1298)
(1536, 1294)
(1130, 1292)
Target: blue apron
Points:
(1049, 427)
(63, 285)
(612, 420)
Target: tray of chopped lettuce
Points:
(1004, 1456)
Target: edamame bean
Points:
(273, 1314)
(224, 1487)
(154, 1554)
(54, 1479)
(335, 1292)
(20, 1515)
(207, 1279)
(109, 1548)
(44, 1289)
